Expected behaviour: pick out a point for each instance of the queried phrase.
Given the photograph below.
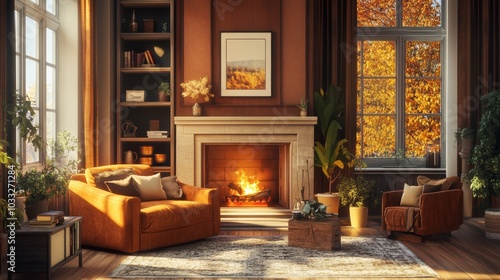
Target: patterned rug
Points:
(271, 257)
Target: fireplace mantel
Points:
(192, 133)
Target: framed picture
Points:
(246, 64)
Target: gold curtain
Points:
(87, 56)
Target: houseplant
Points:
(330, 154)
(163, 91)
(303, 106)
(358, 193)
(464, 138)
(484, 175)
(197, 89)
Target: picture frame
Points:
(246, 64)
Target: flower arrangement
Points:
(197, 89)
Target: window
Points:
(400, 80)
(36, 25)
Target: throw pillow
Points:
(118, 174)
(411, 196)
(431, 188)
(122, 187)
(171, 188)
(149, 187)
(448, 183)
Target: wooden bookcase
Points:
(136, 74)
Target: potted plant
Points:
(314, 210)
(464, 137)
(41, 185)
(303, 106)
(330, 154)
(197, 89)
(358, 193)
(163, 91)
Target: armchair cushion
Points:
(448, 183)
(411, 196)
(101, 178)
(171, 188)
(149, 187)
(431, 188)
(123, 187)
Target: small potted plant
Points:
(197, 89)
(163, 91)
(464, 137)
(314, 210)
(303, 106)
(358, 193)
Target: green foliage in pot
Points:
(303, 103)
(314, 210)
(51, 180)
(358, 192)
(164, 87)
(464, 133)
(485, 158)
(330, 154)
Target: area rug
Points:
(271, 257)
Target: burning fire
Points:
(248, 184)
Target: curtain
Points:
(88, 87)
(333, 55)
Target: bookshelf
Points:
(138, 78)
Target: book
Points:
(55, 222)
(49, 216)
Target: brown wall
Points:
(199, 24)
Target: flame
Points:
(248, 184)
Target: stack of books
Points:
(48, 219)
(157, 134)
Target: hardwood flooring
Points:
(466, 254)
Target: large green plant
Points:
(485, 158)
(330, 154)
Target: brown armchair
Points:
(434, 211)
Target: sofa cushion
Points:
(447, 183)
(124, 187)
(149, 187)
(138, 169)
(431, 188)
(171, 188)
(100, 179)
(157, 216)
(411, 196)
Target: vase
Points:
(196, 109)
(303, 113)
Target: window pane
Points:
(50, 87)
(35, 1)
(50, 5)
(31, 37)
(32, 154)
(423, 59)
(381, 13)
(421, 13)
(18, 76)
(32, 81)
(423, 96)
(17, 30)
(420, 131)
(379, 58)
(51, 46)
(379, 136)
(379, 96)
(51, 125)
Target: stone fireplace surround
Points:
(192, 133)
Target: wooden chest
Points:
(314, 234)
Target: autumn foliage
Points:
(245, 78)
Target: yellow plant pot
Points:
(331, 201)
(359, 216)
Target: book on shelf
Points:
(50, 216)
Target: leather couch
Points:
(433, 211)
(129, 223)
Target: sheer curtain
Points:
(88, 83)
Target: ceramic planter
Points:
(331, 201)
(358, 216)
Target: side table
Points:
(323, 234)
(44, 250)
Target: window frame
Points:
(401, 35)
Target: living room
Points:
(310, 45)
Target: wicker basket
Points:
(492, 223)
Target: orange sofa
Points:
(435, 211)
(128, 224)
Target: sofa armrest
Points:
(109, 220)
(443, 209)
(390, 198)
(208, 196)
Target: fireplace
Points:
(291, 138)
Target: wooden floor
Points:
(466, 254)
